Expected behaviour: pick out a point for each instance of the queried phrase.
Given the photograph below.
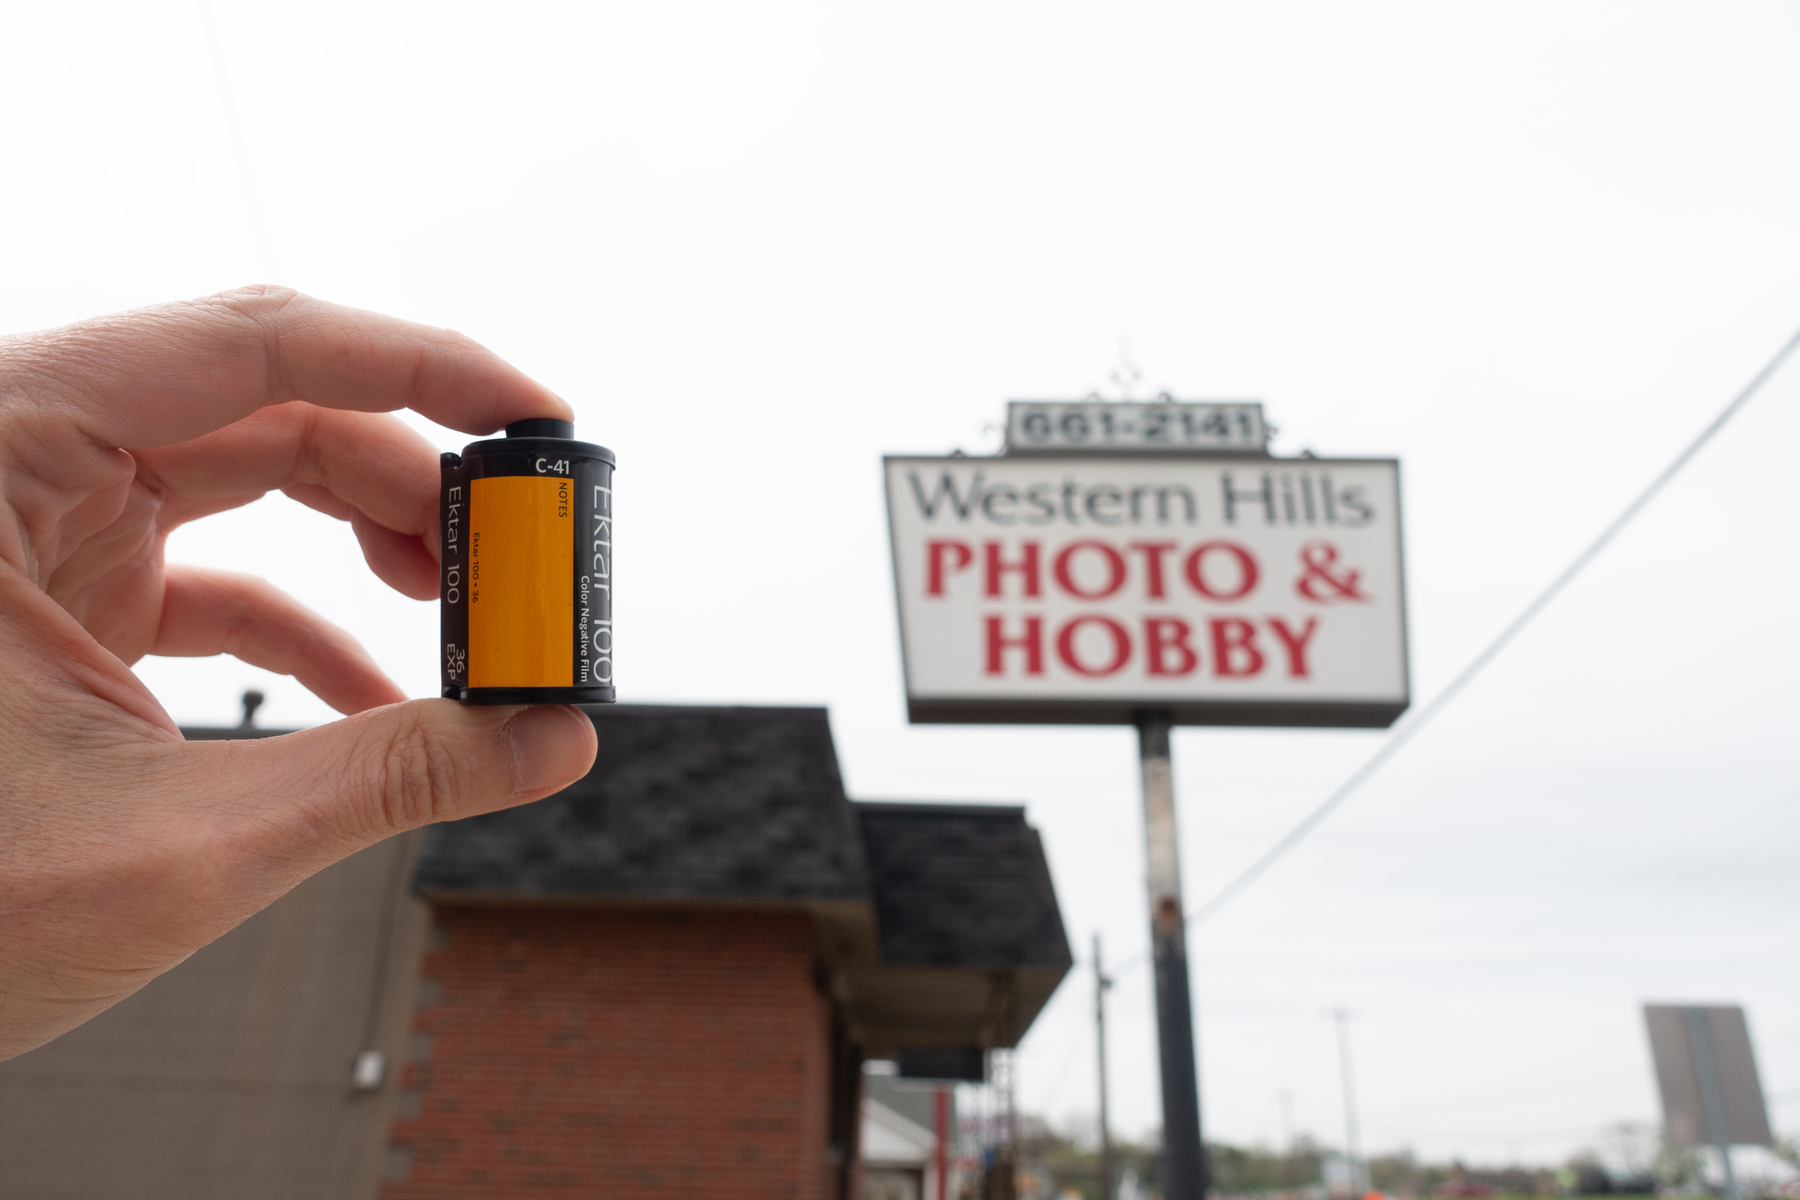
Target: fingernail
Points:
(551, 746)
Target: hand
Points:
(123, 848)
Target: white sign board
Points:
(1081, 590)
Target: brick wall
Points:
(618, 1054)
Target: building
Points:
(908, 1137)
(662, 981)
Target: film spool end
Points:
(542, 427)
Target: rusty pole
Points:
(1184, 1158)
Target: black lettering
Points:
(946, 489)
(1353, 499)
(1162, 503)
(1108, 494)
(1266, 494)
(1003, 492)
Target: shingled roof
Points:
(939, 921)
(720, 803)
(961, 884)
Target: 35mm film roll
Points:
(527, 561)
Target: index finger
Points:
(162, 375)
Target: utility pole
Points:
(1712, 1094)
(940, 1140)
(1352, 1148)
(1184, 1158)
(1101, 983)
(1287, 1138)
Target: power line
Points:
(240, 152)
(1410, 725)
(1077, 1047)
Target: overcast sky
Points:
(1529, 249)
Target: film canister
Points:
(527, 567)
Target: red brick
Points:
(635, 1053)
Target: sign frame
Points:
(1236, 712)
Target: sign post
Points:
(1184, 1157)
(1150, 564)
(1706, 1072)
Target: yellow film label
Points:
(521, 582)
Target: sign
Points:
(1083, 589)
(1706, 1072)
(1052, 426)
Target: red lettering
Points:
(1166, 635)
(1065, 574)
(1235, 654)
(934, 563)
(1153, 566)
(1065, 645)
(1196, 570)
(1027, 567)
(1032, 643)
(1295, 644)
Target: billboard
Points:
(1081, 589)
(1706, 1072)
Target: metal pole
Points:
(1712, 1094)
(1101, 983)
(1287, 1138)
(1002, 1176)
(940, 1136)
(1352, 1149)
(1011, 1179)
(1184, 1159)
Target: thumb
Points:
(132, 854)
(352, 782)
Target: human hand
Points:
(124, 848)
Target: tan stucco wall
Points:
(230, 1076)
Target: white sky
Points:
(1529, 249)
